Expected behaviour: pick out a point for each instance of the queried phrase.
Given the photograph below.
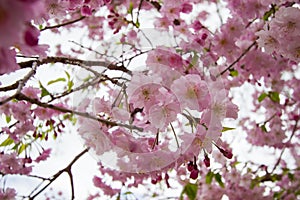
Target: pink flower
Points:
(108, 190)
(191, 91)
(29, 46)
(43, 113)
(7, 61)
(7, 194)
(161, 116)
(186, 8)
(22, 128)
(31, 92)
(21, 111)
(267, 41)
(11, 164)
(163, 22)
(287, 21)
(171, 9)
(142, 89)
(31, 35)
(163, 113)
(44, 155)
(132, 36)
(86, 10)
(17, 13)
(120, 114)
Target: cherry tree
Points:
(166, 95)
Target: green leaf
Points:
(268, 14)
(68, 75)
(57, 80)
(262, 97)
(263, 128)
(254, 183)
(209, 177)
(235, 163)
(277, 195)
(274, 96)
(291, 176)
(7, 118)
(130, 9)
(194, 59)
(227, 129)
(22, 148)
(70, 85)
(44, 91)
(190, 190)
(234, 73)
(218, 178)
(137, 23)
(128, 192)
(7, 142)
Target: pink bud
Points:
(206, 161)
(31, 36)
(226, 153)
(194, 174)
(204, 36)
(86, 10)
(186, 8)
(190, 166)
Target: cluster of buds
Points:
(193, 168)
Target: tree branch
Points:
(21, 84)
(282, 151)
(55, 176)
(74, 61)
(238, 59)
(66, 110)
(63, 24)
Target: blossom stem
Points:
(173, 130)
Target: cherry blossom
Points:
(165, 95)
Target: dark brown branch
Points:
(139, 8)
(21, 84)
(155, 4)
(10, 87)
(55, 176)
(282, 151)
(21, 96)
(238, 59)
(74, 61)
(63, 24)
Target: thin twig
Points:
(74, 61)
(175, 135)
(219, 14)
(63, 24)
(10, 87)
(238, 59)
(282, 151)
(156, 139)
(21, 84)
(139, 8)
(55, 176)
(66, 110)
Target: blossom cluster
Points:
(142, 124)
(276, 36)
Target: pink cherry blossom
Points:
(7, 61)
(8, 194)
(11, 164)
(31, 92)
(43, 156)
(192, 92)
